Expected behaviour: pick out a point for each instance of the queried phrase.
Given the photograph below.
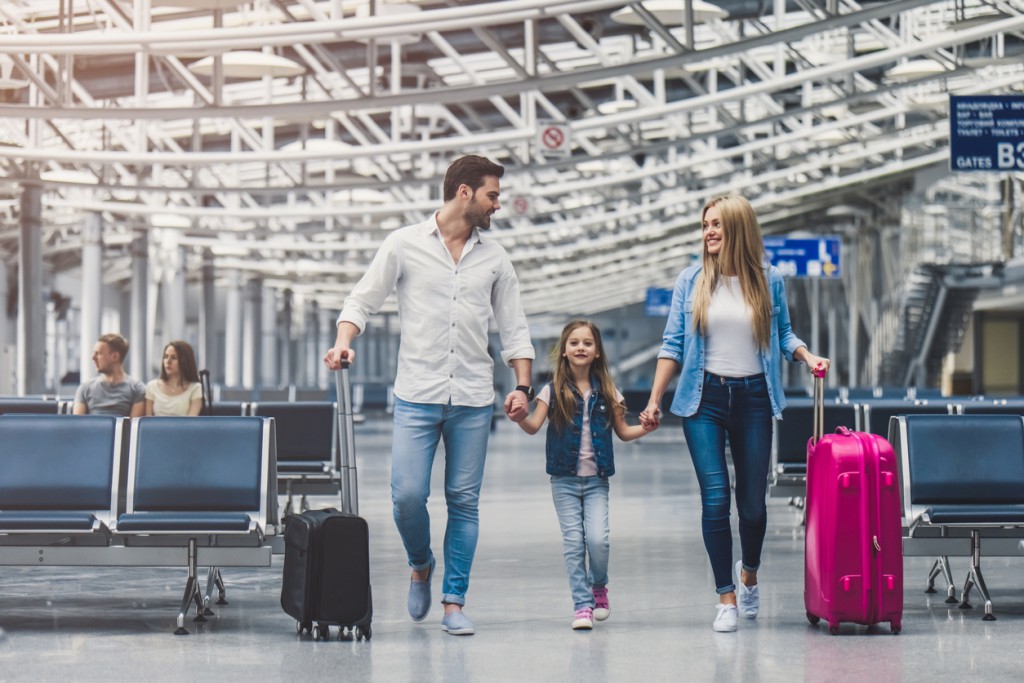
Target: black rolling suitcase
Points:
(327, 553)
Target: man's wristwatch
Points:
(526, 390)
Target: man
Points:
(449, 280)
(112, 392)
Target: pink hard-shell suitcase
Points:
(853, 560)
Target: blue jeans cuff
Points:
(453, 599)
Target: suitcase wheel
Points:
(322, 632)
(895, 627)
(362, 632)
(833, 629)
(346, 633)
(300, 627)
(813, 619)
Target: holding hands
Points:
(650, 418)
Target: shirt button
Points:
(453, 324)
(452, 350)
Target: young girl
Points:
(585, 407)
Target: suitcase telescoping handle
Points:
(819, 403)
(347, 439)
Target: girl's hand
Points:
(650, 418)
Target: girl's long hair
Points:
(188, 371)
(563, 401)
(742, 254)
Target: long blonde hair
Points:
(563, 402)
(742, 254)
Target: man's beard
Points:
(477, 217)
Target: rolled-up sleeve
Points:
(374, 287)
(788, 342)
(673, 340)
(508, 313)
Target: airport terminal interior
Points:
(223, 172)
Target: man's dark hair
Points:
(469, 170)
(116, 342)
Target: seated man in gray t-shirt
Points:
(112, 392)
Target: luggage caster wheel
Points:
(299, 627)
(345, 633)
(813, 619)
(834, 630)
(362, 633)
(322, 632)
(894, 629)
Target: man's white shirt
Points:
(444, 309)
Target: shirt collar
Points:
(432, 228)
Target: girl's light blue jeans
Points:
(582, 507)
(418, 429)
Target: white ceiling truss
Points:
(799, 104)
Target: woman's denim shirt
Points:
(563, 444)
(681, 344)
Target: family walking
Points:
(725, 338)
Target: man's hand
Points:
(516, 406)
(335, 355)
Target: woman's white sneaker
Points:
(725, 620)
(748, 598)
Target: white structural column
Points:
(326, 332)
(252, 335)
(173, 299)
(92, 291)
(6, 387)
(31, 319)
(139, 298)
(268, 351)
(285, 338)
(313, 338)
(207, 351)
(233, 331)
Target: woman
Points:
(728, 329)
(177, 391)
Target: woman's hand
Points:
(818, 365)
(650, 418)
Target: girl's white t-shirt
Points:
(169, 406)
(730, 349)
(588, 465)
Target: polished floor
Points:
(116, 624)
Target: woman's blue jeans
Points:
(740, 409)
(582, 507)
(419, 427)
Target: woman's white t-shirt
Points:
(165, 405)
(729, 346)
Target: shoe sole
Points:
(585, 626)
(601, 616)
(457, 631)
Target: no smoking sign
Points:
(553, 139)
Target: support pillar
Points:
(268, 356)
(31, 312)
(208, 316)
(139, 338)
(252, 335)
(233, 331)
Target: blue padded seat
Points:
(36, 406)
(797, 426)
(175, 521)
(880, 411)
(181, 464)
(968, 515)
(305, 433)
(56, 462)
(966, 460)
(38, 520)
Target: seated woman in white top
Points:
(177, 391)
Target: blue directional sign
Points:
(986, 133)
(812, 257)
(658, 302)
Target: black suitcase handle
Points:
(346, 442)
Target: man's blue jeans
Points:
(418, 429)
(741, 409)
(582, 507)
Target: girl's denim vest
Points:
(563, 444)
